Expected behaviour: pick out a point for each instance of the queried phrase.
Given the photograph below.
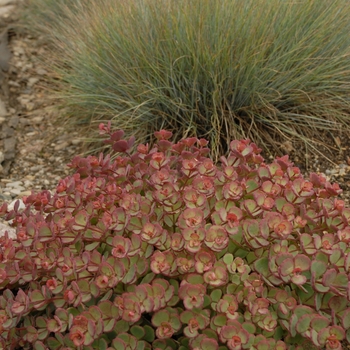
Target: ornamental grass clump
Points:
(162, 249)
(268, 70)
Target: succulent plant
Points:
(163, 249)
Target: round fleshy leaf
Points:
(137, 331)
(299, 279)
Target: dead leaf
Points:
(337, 141)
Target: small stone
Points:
(25, 193)
(342, 172)
(13, 121)
(41, 71)
(30, 106)
(14, 184)
(37, 120)
(3, 111)
(2, 157)
(30, 134)
(5, 11)
(7, 131)
(61, 146)
(9, 147)
(6, 180)
(32, 81)
(24, 121)
(76, 141)
(16, 191)
(2, 119)
(14, 83)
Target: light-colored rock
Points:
(14, 184)
(7, 2)
(41, 71)
(37, 120)
(32, 81)
(12, 204)
(5, 11)
(16, 191)
(25, 193)
(61, 146)
(11, 231)
(2, 157)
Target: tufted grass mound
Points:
(269, 70)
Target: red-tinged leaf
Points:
(81, 219)
(108, 325)
(299, 279)
(345, 319)
(319, 322)
(91, 328)
(38, 345)
(120, 146)
(160, 316)
(337, 303)
(303, 323)
(251, 185)
(318, 268)
(329, 277)
(302, 262)
(117, 135)
(53, 343)
(262, 266)
(341, 281)
(36, 296)
(335, 256)
(68, 237)
(332, 332)
(45, 234)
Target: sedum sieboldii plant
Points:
(163, 249)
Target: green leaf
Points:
(121, 326)
(53, 343)
(345, 320)
(262, 266)
(228, 259)
(38, 345)
(81, 218)
(206, 302)
(249, 327)
(251, 185)
(160, 316)
(148, 278)
(215, 295)
(149, 334)
(137, 331)
(90, 247)
(318, 267)
(100, 344)
(303, 323)
(45, 234)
